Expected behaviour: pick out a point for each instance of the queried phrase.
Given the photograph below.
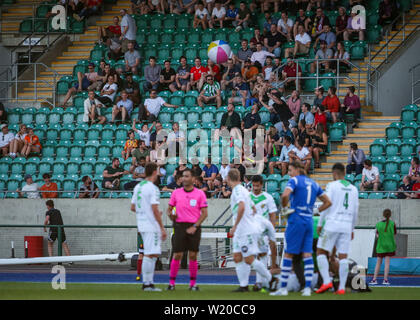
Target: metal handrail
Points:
(405, 23)
(414, 83)
(373, 72)
(318, 77)
(14, 80)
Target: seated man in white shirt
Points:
(283, 162)
(5, 138)
(151, 108)
(218, 15)
(370, 176)
(124, 106)
(92, 109)
(30, 189)
(260, 55)
(302, 43)
(302, 154)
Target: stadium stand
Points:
(72, 149)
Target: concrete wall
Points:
(395, 81)
(116, 212)
(5, 60)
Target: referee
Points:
(191, 210)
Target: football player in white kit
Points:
(340, 220)
(145, 203)
(266, 216)
(245, 232)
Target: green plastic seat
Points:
(93, 134)
(376, 195)
(392, 165)
(409, 130)
(357, 50)
(86, 168)
(392, 149)
(379, 162)
(393, 131)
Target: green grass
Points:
(79, 291)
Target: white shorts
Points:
(263, 244)
(246, 244)
(152, 242)
(328, 240)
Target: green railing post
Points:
(60, 245)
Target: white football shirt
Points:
(342, 215)
(144, 196)
(248, 224)
(264, 203)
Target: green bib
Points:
(386, 240)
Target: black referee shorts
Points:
(182, 241)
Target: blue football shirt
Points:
(304, 194)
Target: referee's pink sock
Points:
(193, 272)
(174, 271)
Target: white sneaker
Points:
(238, 28)
(306, 292)
(280, 292)
(151, 288)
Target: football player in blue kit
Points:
(302, 192)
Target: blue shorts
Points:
(299, 237)
(85, 84)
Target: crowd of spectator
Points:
(254, 77)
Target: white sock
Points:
(148, 268)
(343, 272)
(260, 268)
(264, 261)
(323, 267)
(242, 271)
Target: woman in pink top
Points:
(187, 208)
(294, 104)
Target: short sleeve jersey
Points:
(247, 224)
(342, 214)
(145, 195)
(188, 204)
(303, 196)
(264, 203)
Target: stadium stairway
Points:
(370, 128)
(77, 50)
(373, 124)
(378, 60)
(13, 14)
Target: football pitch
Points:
(102, 291)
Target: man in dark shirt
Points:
(88, 189)
(251, 121)
(273, 41)
(167, 76)
(112, 175)
(244, 53)
(53, 217)
(132, 88)
(209, 174)
(231, 119)
(176, 184)
(243, 18)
